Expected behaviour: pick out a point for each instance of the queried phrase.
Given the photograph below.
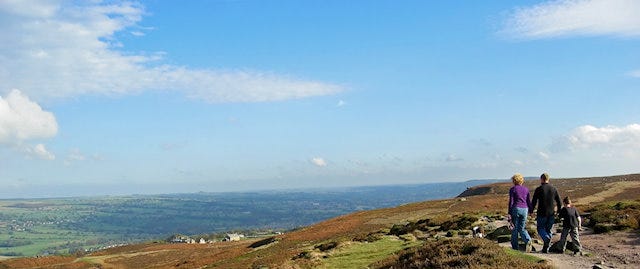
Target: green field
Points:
(31, 227)
(360, 255)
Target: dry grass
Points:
(622, 215)
(457, 253)
(361, 226)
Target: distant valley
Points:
(31, 227)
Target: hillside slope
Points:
(316, 245)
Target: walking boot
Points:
(545, 247)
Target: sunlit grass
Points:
(362, 254)
(523, 256)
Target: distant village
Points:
(183, 239)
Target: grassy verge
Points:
(523, 256)
(360, 255)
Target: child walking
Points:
(571, 222)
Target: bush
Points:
(400, 229)
(459, 223)
(456, 253)
(615, 216)
(303, 255)
(327, 246)
(452, 233)
(263, 242)
(371, 237)
(421, 225)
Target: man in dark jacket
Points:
(544, 196)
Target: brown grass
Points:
(355, 226)
(456, 253)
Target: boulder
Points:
(501, 231)
(556, 248)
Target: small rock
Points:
(597, 266)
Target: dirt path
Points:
(101, 260)
(612, 189)
(611, 250)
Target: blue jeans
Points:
(519, 219)
(545, 225)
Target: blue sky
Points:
(117, 97)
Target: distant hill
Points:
(376, 238)
(67, 225)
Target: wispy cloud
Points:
(575, 18)
(38, 151)
(634, 73)
(59, 49)
(317, 161)
(543, 155)
(74, 155)
(452, 158)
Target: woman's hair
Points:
(566, 200)
(517, 179)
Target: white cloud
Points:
(58, 49)
(39, 151)
(453, 158)
(634, 73)
(588, 136)
(543, 155)
(22, 119)
(76, 155)
(317, 161)
(575, 18)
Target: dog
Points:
(478, 232)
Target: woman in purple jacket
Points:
(519, 203)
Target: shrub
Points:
(421, 225)
(303, 255)
(452, 233)
(327, 246)
(263, 242)
(400, 229)
(615, 216)
(456, 253)
(459, 223)
(371, 237)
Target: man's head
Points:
(544, 178)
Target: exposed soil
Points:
(611, 250)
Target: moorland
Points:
(59, 226)
(426, 234)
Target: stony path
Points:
(613, 250)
